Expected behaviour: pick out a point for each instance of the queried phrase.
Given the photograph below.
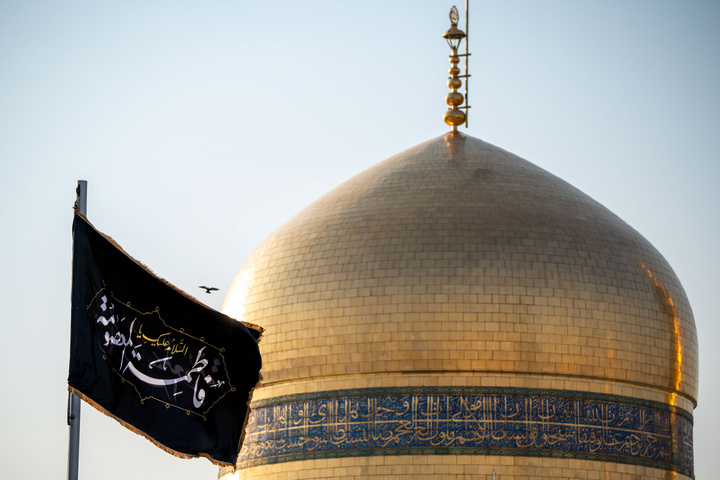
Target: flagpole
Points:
(73, 414)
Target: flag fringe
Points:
(169, 450)
(248, 410)
(148, 270)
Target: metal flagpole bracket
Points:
(81, 197)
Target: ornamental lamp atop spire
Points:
(454, 36)
(454, 116)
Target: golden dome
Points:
(458, 264)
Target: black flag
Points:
(157, 360)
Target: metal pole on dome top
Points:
(467, 55)
(73, 413)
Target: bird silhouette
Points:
(208, 289)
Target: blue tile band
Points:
(494, 421)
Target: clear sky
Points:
(203, 126)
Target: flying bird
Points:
(208, 289)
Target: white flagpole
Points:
(73, 416)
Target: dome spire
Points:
(454, 116)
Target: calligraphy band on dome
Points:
(490, 421)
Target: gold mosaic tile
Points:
(456, 263)
(459, 468)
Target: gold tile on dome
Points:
(458, 259)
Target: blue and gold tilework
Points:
(517, 422)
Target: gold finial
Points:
(454, 116)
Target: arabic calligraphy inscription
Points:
(487, 421)
(162, 363)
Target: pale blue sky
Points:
(203, 126)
